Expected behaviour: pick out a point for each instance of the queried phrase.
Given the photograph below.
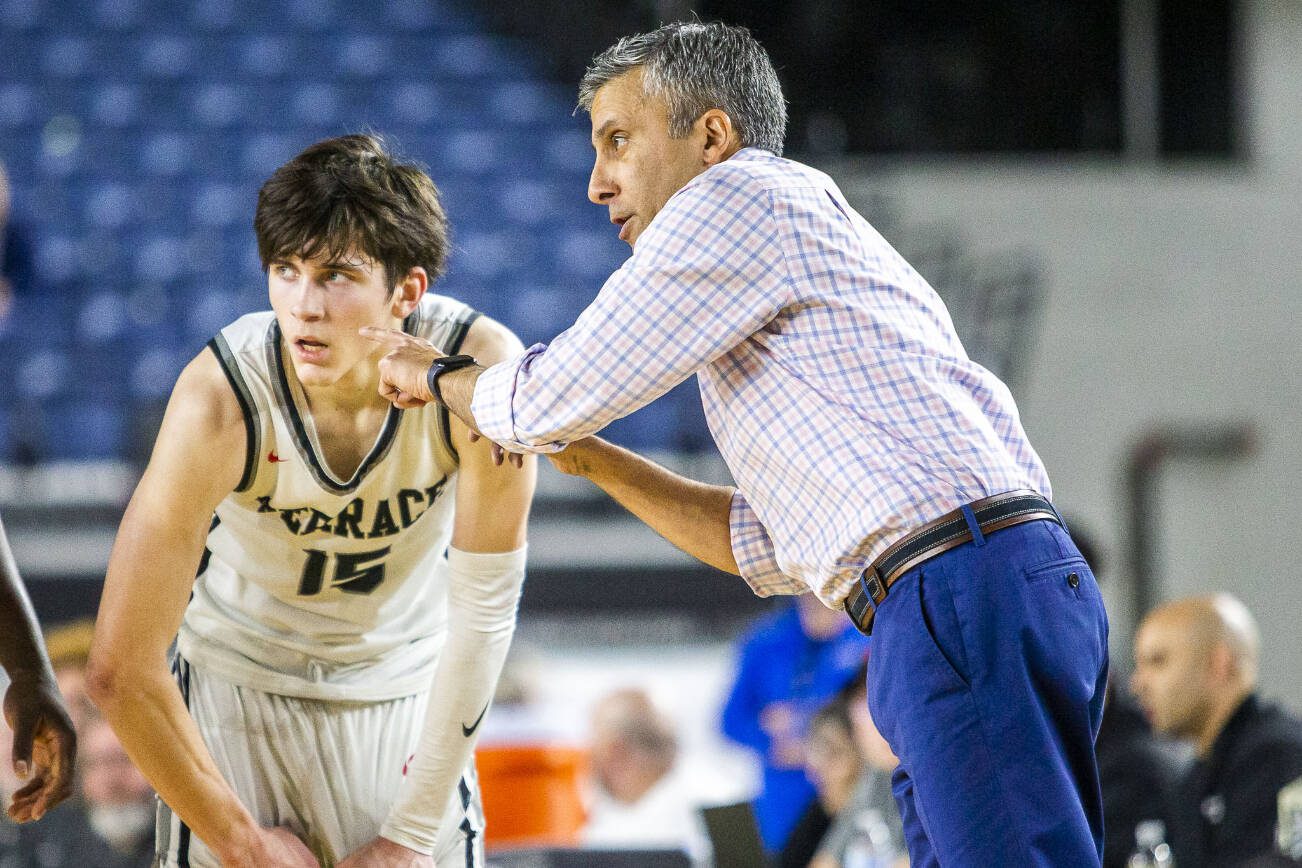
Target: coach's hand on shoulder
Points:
(383, 853)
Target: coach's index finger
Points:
(391, 338)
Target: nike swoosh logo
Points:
(468, 731)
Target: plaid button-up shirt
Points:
(833, 382)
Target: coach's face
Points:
(639, 166)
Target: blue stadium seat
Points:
(110, 204)
(118, 14)
(222, 104)
(361, 55)
(154, 371)
(318, 103)
(160, 258)
(215, 15)
(652, 427)
(102, 318)
(166, 153)
(167, 56)
(114, 104)
(264, 152)
(43, 373)
(58, 258)
(221, 204)
(84, 430)
(18, 105)
(526, 102)
(414, 102)
(589, 253)
(528, 202)
(263, 55)
(19, 14)
(539, 314)
(476, 151)
(69, 57)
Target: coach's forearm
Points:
(690, 514)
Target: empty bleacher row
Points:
(136, 133)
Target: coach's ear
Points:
(721, 140)
(407, 294)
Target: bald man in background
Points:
(1196, 677)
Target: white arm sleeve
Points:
(483, 594)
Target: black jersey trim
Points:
(314, 462)
(252, 431)
(181, 670)
(207, 552)
(451, 347)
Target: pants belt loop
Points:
(867, 580)
(1059, 514)
(972, 525)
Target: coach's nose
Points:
(601, 186)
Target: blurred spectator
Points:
(1138, 771)
(640, 801)
(110, 824)
(790, 665)
(1138, 775)
(15, 254)
(867, 831)
(1195, 675)
(69, 647)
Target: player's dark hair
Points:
(695, 67)
(349, 194)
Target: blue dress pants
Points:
(987, 676)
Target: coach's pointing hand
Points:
(404, 366)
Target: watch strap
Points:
(444, 365)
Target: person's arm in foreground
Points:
(692, 515)
(197, 460)
(486, 571)
(44, 741)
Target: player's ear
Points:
(407, 294)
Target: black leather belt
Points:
(949, 531)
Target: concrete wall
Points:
(1173, 293)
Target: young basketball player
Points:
(340, 577)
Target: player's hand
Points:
(404, 368)
(383, 853)
(275, 848)
(45, 746)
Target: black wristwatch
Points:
(442, 366)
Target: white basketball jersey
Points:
(321, 587)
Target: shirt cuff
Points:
(753, 550)
(493, 407)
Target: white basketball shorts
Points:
(327, 770)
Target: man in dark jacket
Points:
(1195, 675)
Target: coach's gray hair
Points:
(695, 67)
